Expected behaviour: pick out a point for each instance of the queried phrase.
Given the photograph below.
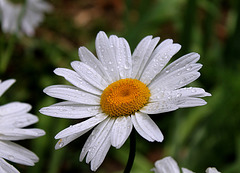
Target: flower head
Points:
(169, 165)
(14, 117)
(22, 18)
(118, 90)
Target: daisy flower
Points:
(14, 117)
(169, 165)
(117, 91)
(22, 18)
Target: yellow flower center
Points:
(124, 97)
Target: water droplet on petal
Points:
(179, 95)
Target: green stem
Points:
(131, 152)
(6, 55)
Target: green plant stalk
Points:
(132, 152)
(7, 54)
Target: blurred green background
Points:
(195, 137)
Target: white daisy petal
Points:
(175, 82)
(184, 170)
(120, 131)
(6, 167)
(23, 18)
(140, 130)
(158, 62)
(17, 153)
(191, 92)
(88, 58)
(19, 121)
(72, 94)
(89, 74)
(101, 154)
(72, 111)
(179, 93)
(67, 103)
(5, 85)
(160, 106)
(174, 75)
(163, 44)
(106, 55)
(183, 65)
(80, 127)
(212, 170)
(66, 140)
(123, 56)
(14, 108)
(95, 133)
(191, 102)
(148, 56)
(190, 58)
(13, 117)
(138, 55)
(20, 134)
(98, 143)
(76, 80)
(166, 165)
(148, 125)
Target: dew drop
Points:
(179, 73)
(60, 144)
(181, 82)
(179, 95)
(165, 57)
(189, 68)
(127, 66)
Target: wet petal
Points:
(89, 74)
(71, 93)
(77, 80)
(81, 127)
(17, 153)
(166, 165)
(76, 111)
(5, 167)
(88, 58)
(123, 56)
(158, 62)
(120, 131)
(5, 85)
(106, 55)
(139, 55)
(140, 130)
(148, 126)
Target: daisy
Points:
(169, 165)
(117, 91)
(22, 18)
(14, 117)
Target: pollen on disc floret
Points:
(124, 97)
